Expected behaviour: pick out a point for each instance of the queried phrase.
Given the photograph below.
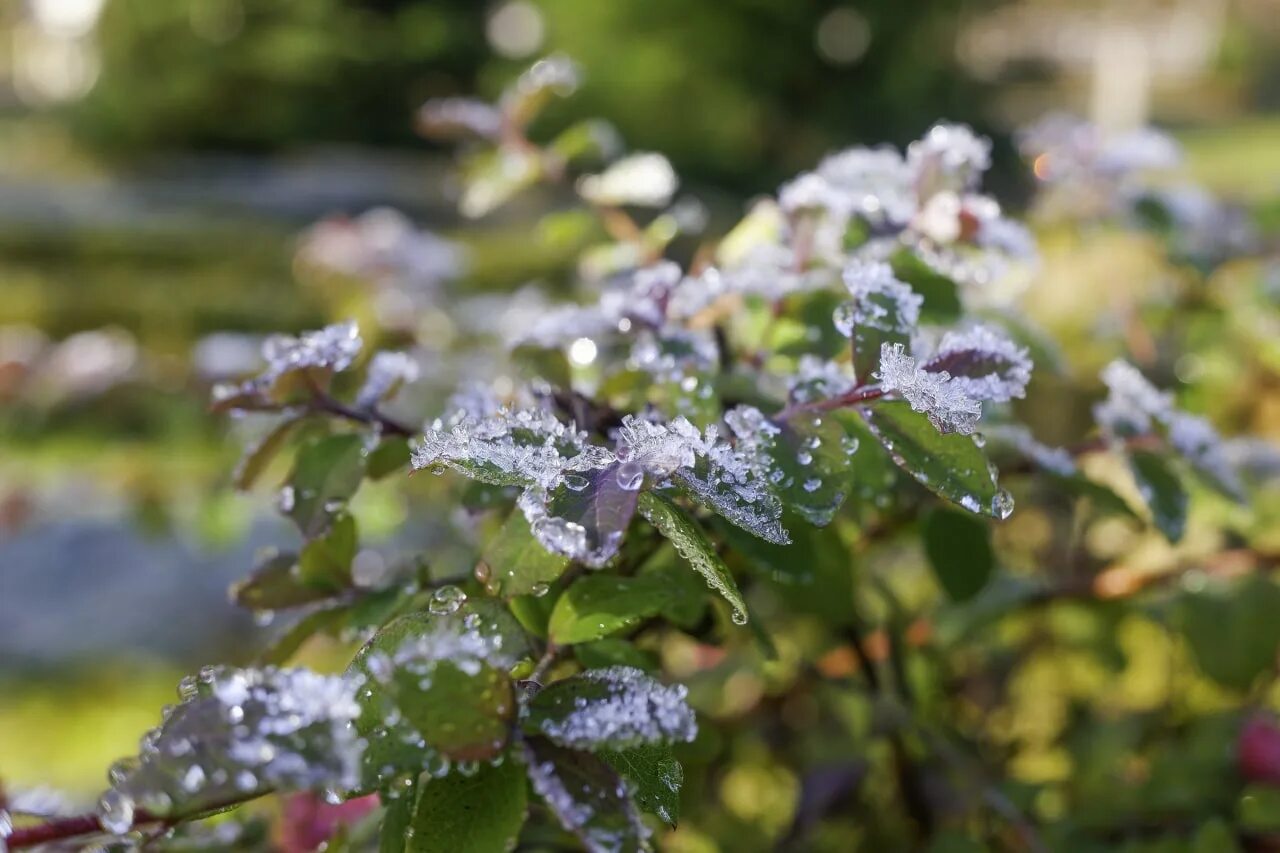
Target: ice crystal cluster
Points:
(880, 301)
(237, 732)
(620, 707)
(949, 408)
(553, 461)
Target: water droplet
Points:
(630, 476)
(979, 439)
(446, 600)
(539, 589)
(287, 499)
(115, 811)
(576, 482)
(1002, 504)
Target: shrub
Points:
(739, 539)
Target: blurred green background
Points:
(158, 159)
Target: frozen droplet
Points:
(446, 600)
(576, 482)
(630, 476)
(115, 812)
(1002, 504)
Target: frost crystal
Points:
(934, 393)
(983, 364)
(640, 179)
(387, 372)
(880, 301)
(451, 641)
(618, 707)
(237, 732)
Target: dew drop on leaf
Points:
(115, 811)
(446, 600)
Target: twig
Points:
(63, 828)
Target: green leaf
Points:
(1104, 499)
(586, 796)
(686, 593)
(1233, 630)
(460, 814)
(258, 456)
(390, 456)
(325, 475)
(613, 652)
(397, 817)
(1162, 489)
(951, 466)
(288, 643)
(814, 574)
(518, 564)
(692, 544)
(610, 709)
(325, 562)
(416, 712)
(275, 584)
(941, 295)
(959, 549)
(601, 506)
(810, 453)
(655, 776)
(598, 605)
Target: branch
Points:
(63, 828)
(861, 394)
(322, 402)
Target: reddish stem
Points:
(62, 828)
(861, 394)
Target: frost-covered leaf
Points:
(959, 550)
(585, 517)
(294, 365)
(1232, 629)
(950, 466)
(598, 605)
(644, 179)
(945, 402)
(1195, 439)
(436, 688)
(1053, 460)
(326, 473)
(507, 448)
(1162, 490)
(325, 561)
(238, 732)
(615, 708)
(517, 562)
(655, 776)
(692, 544)
(480, 812)
(725, 479)
(884, 311)
(387, 373)
(258, 455)
(276, 583)
(450, 118)
(983, 364)
(587, 797)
